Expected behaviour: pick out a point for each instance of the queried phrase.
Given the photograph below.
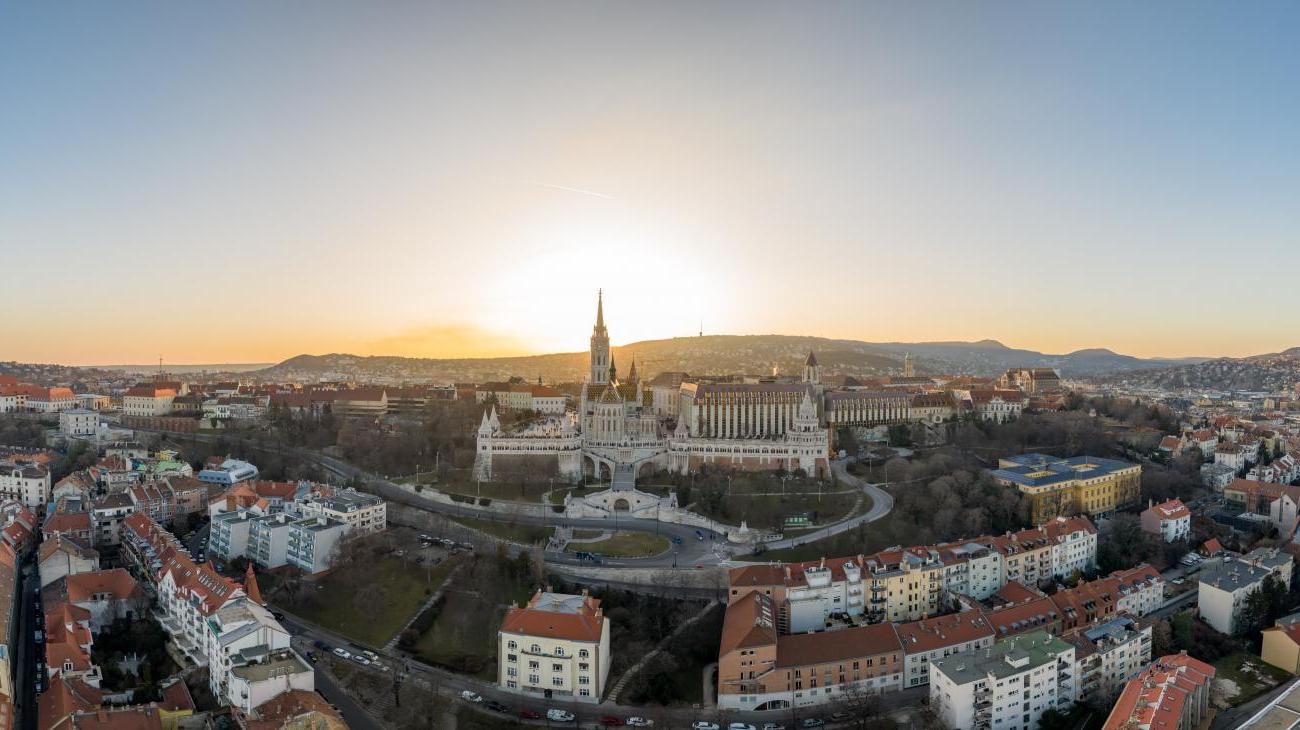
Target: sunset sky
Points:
(243, 182)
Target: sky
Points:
(247, 181)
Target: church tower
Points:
(909, 370)
(812, 372)
(600, 362)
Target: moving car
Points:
(470, 696)
(703, 725)
(558, 715)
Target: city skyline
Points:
(457, 181)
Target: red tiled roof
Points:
(586, 624)
(1156, 697)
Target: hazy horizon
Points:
(244, 182)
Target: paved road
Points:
(349, 708)
(28, 622)
(881, 504)
(450, 685)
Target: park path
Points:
(632, 671)
(391, 646)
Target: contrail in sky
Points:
(579, 191)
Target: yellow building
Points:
(1078, 485)
(1281, 646)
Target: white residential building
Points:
(364, 514)
(26, 483)
(1007, 686)
(75, 422)
(313, 543)
(1108, 655)
(148, 400)
(1224, 584)
(1171, 520)
(932, 639)
(557, 646)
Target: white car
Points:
(702, 725)
(557, 715)
(370, 655)
(639, 722)
(469, 696)
(740, 726)
(773, 726)
(342, 653)
(361, 660)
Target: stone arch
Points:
(622, 505)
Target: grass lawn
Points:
(526, 534)
(624, 544)
(769, 512)
(463, 638)
(557, 495)
(1242, 677)
(402, 588)
(587, 534)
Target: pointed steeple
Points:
(600, 309)
(631, 374)
(250, 586)
(613, 372)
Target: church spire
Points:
(250, 586)
(631, 374)
(600, 309)
(600, 359)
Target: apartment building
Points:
(1007, 686)
(908, 584)
(313, 543)
(78, 422)
(1223, 586)
(1082, 484)
(50, 400)
(1171, 521)
(1172, 694)
(228, 534)
(268, 539)
(932, 639)
(761, 669)
(25, 482)
(557, 646)
(1108, 655)
(106, 515)
(364, 514)
(214, 620)
(1134, 591)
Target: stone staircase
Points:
(624, 477)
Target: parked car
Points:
(361, 660)
(741, 726)
(495, 706)
(557, 715)
(530, 715)
(635, 721)
(312, 657)
(470, 696)
(839, 717)
(370, 655)
(813, 722)
(342, 653)
(773, 726)
(704, 725)
(611, 721)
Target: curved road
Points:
(881, 504)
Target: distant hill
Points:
(1271, 372)
(713, 354)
